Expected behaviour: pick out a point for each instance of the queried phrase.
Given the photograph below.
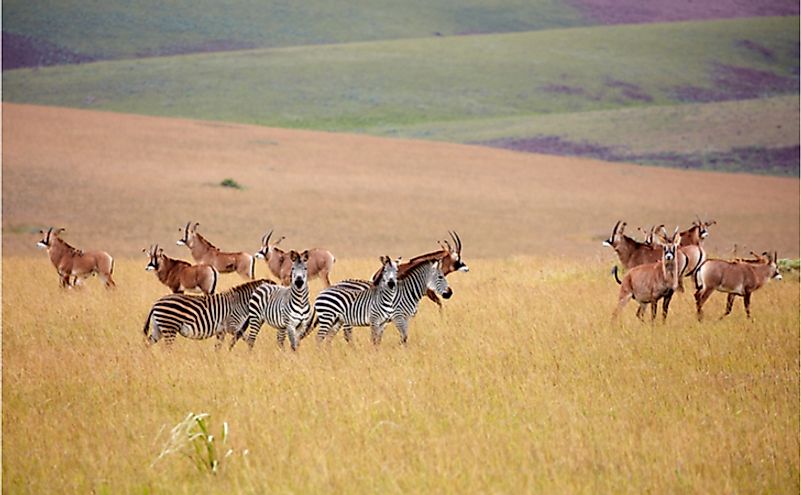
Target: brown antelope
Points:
(737, 278)
(71, 262)
(179, 275)
(692, 244)
(205, 252)
(319, 264)
(634, 253)
(648, 283)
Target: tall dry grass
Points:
(521, 383)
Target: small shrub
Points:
(788, 265)
(230, 183)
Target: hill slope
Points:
(121, 182)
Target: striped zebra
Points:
(284, 308)
(417, 278)
(350, 305)
(200, 317)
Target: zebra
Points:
(200, 317)
(412, 286)
(351, 305)
(284, 308)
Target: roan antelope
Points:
(205, 252)
(737, 278)
(320, 262)
(71, 262)
(633, 253)
(179, 275)
(649, 283)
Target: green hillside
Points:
(123, 29)
(359, 86)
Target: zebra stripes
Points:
(285, 308)
(200, 317)
(344, 304)
(412, 286)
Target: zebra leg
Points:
(253, 331)
(280, 337)
(402, 324)
(293, 337)
(377, 331)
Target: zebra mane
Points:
(248, 286)
(405, 268)
(412, 266)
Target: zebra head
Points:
(437, 281)
(388, 276)
(299, 275)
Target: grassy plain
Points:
(521, 384)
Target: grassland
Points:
(521, 383)
(122, 182)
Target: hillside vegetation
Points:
(117, 29)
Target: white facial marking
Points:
(41, 245)
(181, 243)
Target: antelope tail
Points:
(614, 272)
(696, 277)
(214, 283)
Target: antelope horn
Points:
(450, 249)
(614, 229)
(775, 256)
(456, 241)
(266, 237)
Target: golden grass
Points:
(521, 383)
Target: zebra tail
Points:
(147, 322)
(614, 272)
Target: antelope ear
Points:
(383, 260)
(293, 255)
(305, 255)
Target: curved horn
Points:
(456, 241)
(614, 229)
(266, 238)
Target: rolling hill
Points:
(121, 182)
(508, 88)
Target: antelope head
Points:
(617, 234)
(669, 244)
(155, 254)
(703, 226)
(267, 249)
(47, 237)
(454, 260)
(188, 232)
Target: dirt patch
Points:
(643, 11)
(27, 51)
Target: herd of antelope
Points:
(658, 264)
(392, 295)
(655, 268)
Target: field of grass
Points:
(119, 29)
(521, 383)
(122, 182)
